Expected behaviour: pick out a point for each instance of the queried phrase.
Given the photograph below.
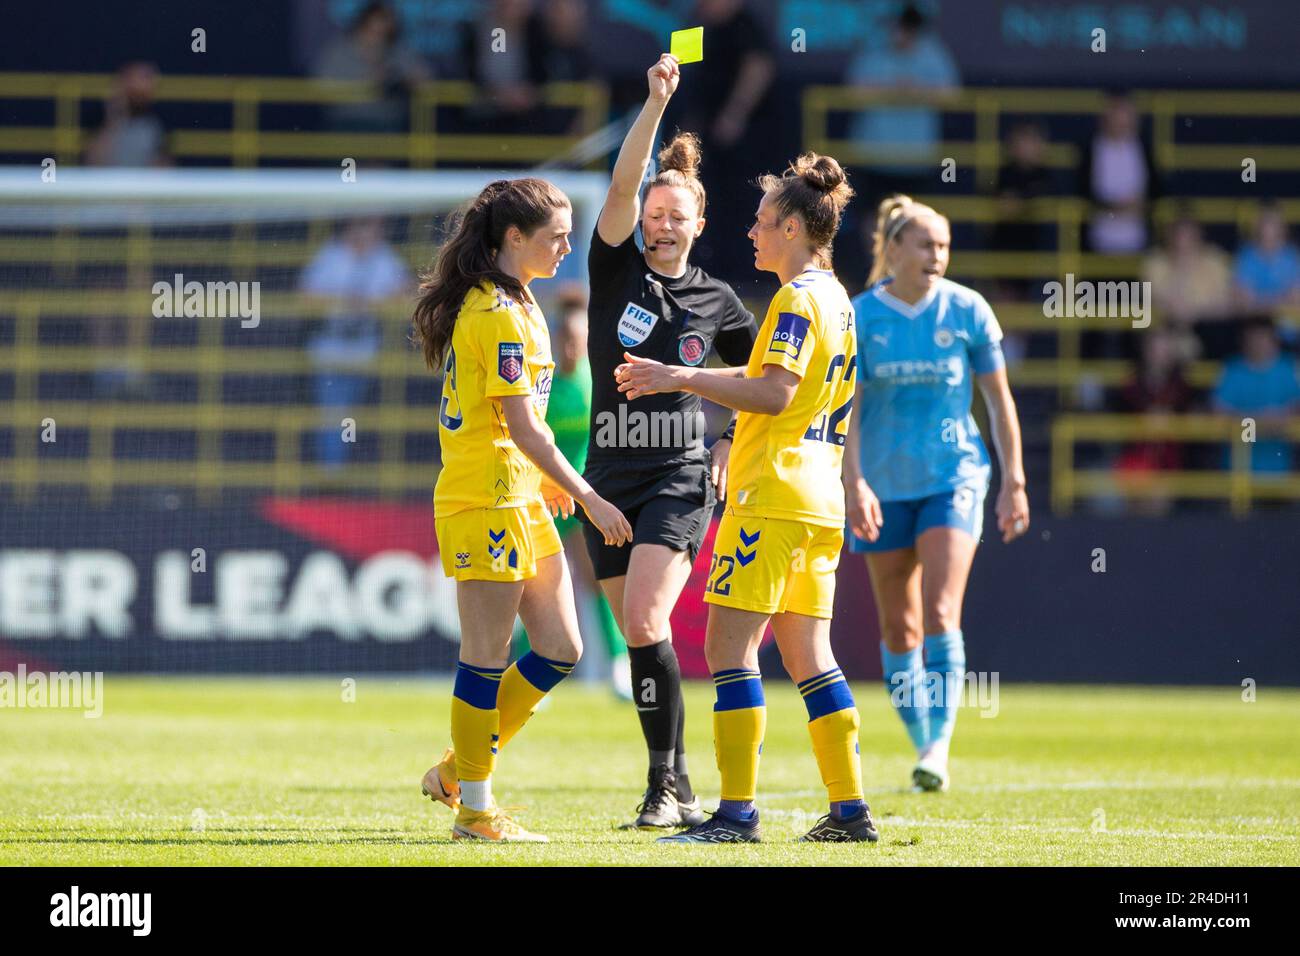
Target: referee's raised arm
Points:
(622, 202)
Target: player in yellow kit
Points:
(778, 544)
(502, 479)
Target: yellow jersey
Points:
(499, 347)
(788, 465)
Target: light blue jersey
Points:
(916, 364)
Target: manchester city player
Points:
(916, 471)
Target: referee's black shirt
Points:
(675, 321)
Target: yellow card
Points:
(688, 45)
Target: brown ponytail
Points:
(468, 258)
(816, 189)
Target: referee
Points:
(649, 459)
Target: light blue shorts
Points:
(905, 520)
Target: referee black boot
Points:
(659, 809)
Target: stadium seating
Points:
(193, 428)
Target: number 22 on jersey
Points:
(825, 426)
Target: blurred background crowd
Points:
(1044, 183)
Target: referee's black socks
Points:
(657, 693)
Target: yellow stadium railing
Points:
(101, 471)
(1067, 215)
(1239, 485)
(27, 469)
(983, 154)
(987, 106)
(245, 143)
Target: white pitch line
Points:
(801, 817)
(1200, 783)
(1158, 834)
(1145, 784)
(891, 822)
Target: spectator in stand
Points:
(1158, 387)
(353, 275)
(1022, 178)
(916, 67)
(1261, 384)
(559, 47)
(740, 77)
(498, 64)
(729, 104)
(1267, 270)
(559, 51)
(132, 134)
(1190, 283)
(371, 52)
(1119, 177)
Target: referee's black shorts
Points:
(669, 505)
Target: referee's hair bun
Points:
(682, 154)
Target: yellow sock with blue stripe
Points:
(739, 721)
(475, 723)
(525, 683)
(833, 725)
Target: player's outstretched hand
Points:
(558, 501)
(862, 509)
(642, 376)
(663, 77)
(609, 521)
(1013, 512)
(560, 506)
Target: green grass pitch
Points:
(260, 771)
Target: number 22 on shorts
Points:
(725, 564)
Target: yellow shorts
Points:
(496, 544)
(772, 565)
